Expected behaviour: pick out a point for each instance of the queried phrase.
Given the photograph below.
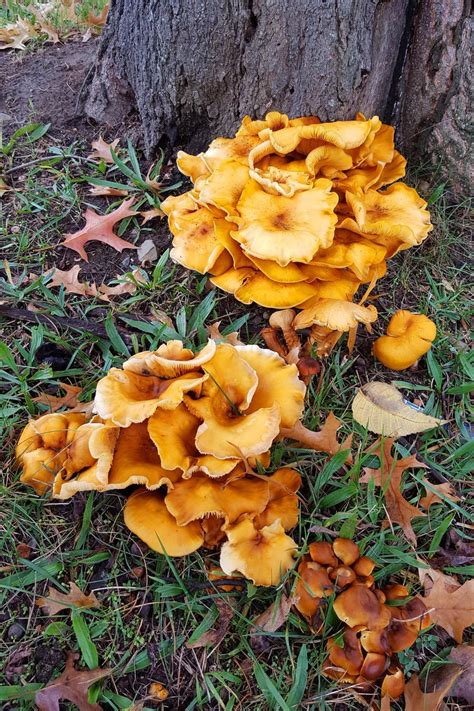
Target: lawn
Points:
(153, 608)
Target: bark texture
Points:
(193, 68)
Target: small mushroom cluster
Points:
(194, 431)
(296, 213)
(378, 623)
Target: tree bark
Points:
(192, 69)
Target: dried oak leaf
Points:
(104, 190)
(446, 490)
(57, 601)
(72, 685)
(216, 635)
(151, 214)
(128, 286)
(102, 149)
(323, 441)
(14, 35)
(464, 684)
(99, 228)
(417, 700)
(69, 400)
(451, 608)
(215, 333)
(381, 408)
(70, 280)
(389, 477)
(274, 616)
(98, 20)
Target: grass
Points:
(152, 606)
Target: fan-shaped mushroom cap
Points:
(358, 255)
(374, 666)
(283, 501)
(247, 285)
(263, 556)
(393, 684)
(125, 397)
(195, 244)
(322, 552)
(224, 186)
(193, 166)
(359, 608)
(146, 515)
(200, 496)
(348, 657)
(395, 591)
(363, 566)
(174, 434)
(397, 212)
(409, 336)
(335, 314)
(346, 550)
(171, 360)
(285, 229)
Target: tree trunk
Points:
(193, 68)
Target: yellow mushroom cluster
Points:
(194, 431)
(378, 623)
(297, 213)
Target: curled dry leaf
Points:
(101, 190)
(389, 477)
(451, 608)
(127, 286)
(57, 601)
(72, 685)
(446, 490)
(417, 700)
(216, 635)
(4, 188)
(70, 280)
(99, 228)
(69, 400)
(102, 150)
(380, 407)
(323, 441)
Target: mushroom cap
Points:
(263, 556)
(224, 186)
(363, 566)
(200, 496)
(349, 657)
(335, 314)
(146, 515)
(286, 229)
(171, 360)
(393, 684)
(283, 501)
(126, 397)
(358, 607)
(395, 591)
(409, 336)
(322, 552)
(346, 550)
(342, 576)
(374, 666)
(40, 467)
(375, 641)
(248, 285)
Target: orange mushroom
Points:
(409, 336)
(360, 608)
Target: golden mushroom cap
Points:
(408, 337)
(360, 608)
(346, 550)
(393, 684)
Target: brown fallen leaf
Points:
(57, 601)
(446, 489)
(428, 577)
(451, 608)
(99, 228)
(389, 477)
(127, 286)
(381, 408)
(151, 214)
(42, 24)
(98, 20)
(102, 150)
(417, 700)
(100, 190)
(152, 183)
(147, 252)
(4, 188)
(69, 400)
(216, 635)
(70, 280)
(464, 684)
(14, 35)
(323, 441)
(72, 685)
(274, 616)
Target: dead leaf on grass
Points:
(451, 608)
(389, 477)
(57, 601)
(14, 35)
(98, 20)
(127, 286)
(464, 684)
(147, 252)
(101, 190)
(214, 332)
(380, 408)
(446, 489)
(102, 150)
(323, 441)
(273, 617)
(216, 635)
(70, 280)
(99, 228)
(151, 214)
(69, 400)
(72, 685)
(42, 23)
(4, 188)
(417, 700)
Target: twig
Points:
(64, 322)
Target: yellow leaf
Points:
(381, 408)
